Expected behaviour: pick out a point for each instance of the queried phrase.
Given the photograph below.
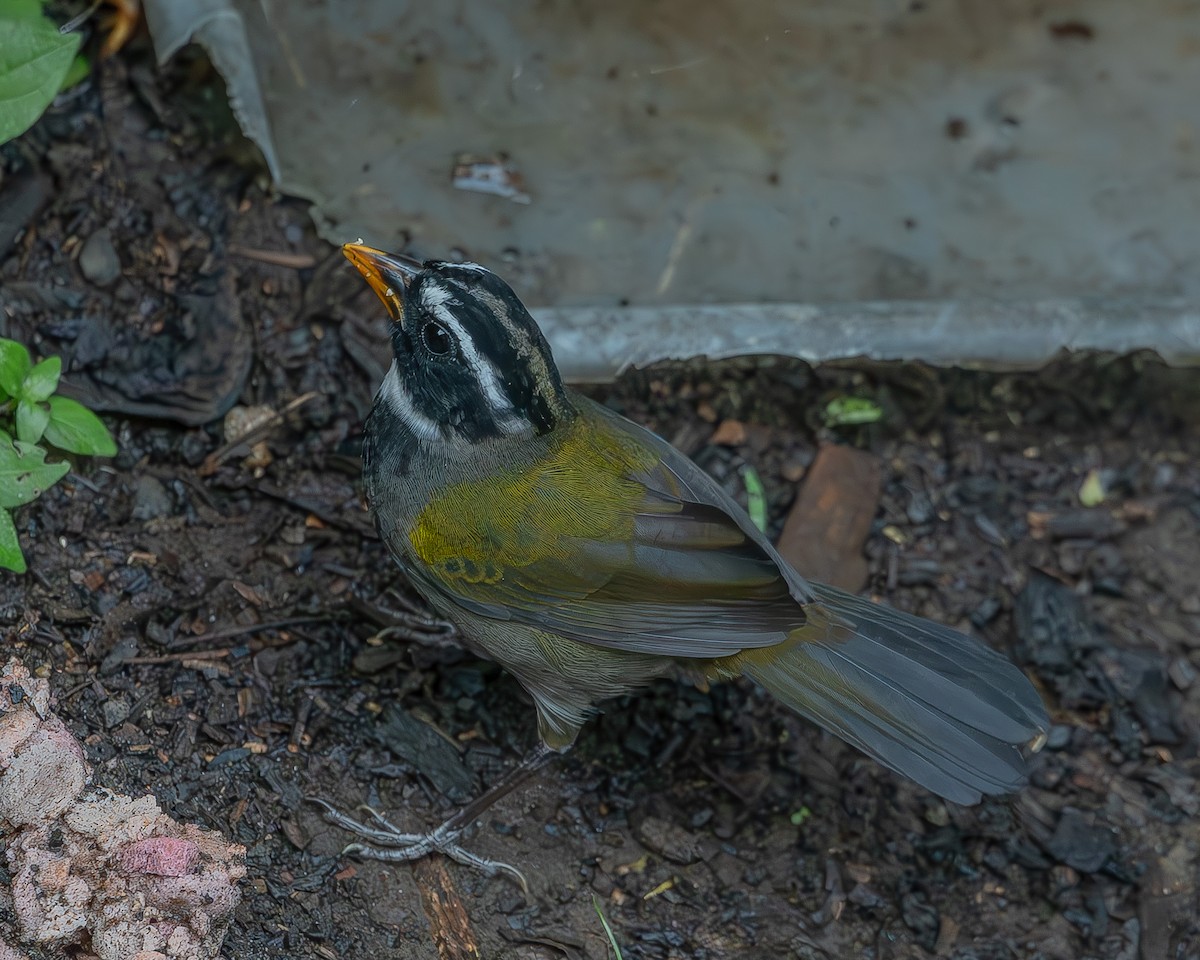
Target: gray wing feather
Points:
(698, 580)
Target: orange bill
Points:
(387, 273)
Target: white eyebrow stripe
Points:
(484, 370)
(434, 294)
(396, 395)
(436, 298)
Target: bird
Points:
(588, 557)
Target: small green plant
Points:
(31, 415)
(851, 412)
(37, 60)
(612, 939)
(756, 497)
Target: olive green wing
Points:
(674, 574)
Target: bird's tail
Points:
(926, 701)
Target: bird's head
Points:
(470, 363)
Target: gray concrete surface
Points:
(771, 153)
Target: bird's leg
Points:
(388, 842)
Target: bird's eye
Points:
(437, 340)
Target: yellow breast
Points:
(477, 530)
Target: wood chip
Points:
(449, 925)
(947, 935)
(827, 527)
(729, 433)
(247, 592)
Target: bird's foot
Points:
(387, 842)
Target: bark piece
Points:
(449, 924)
(827, 527)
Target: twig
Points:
(277, 258)
(176, 657)
(241, 631)
(363, 529)
(296, 739)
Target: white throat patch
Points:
(396, 394)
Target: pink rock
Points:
(42, 767)
(113, 875)
(45, 776)
(16, 726)
(213, 892)
(113, 821)
(160, 856)
(35, 692)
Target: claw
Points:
(395, 846)
(384, 822)
(397, 854)
(324, 804)
(388, 836)
(490, 867)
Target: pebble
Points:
(511, 904)
(230, 755)
(922, 918)
(1182, 673)
(116, 712)
(151, 499)
(668, 840)
(987, 529)
(603, 885)
(920, 508)
(986, 612)
(1083, 846)
(864, 896)
(194, 447)
(98, 259)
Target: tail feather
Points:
(922, 699)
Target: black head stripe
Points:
(502, 334)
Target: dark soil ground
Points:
(212, 614)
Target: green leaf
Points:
(25, 474)
(80, 67)
(74, 428)
(608, 931)
(14, 364)
(42, 380)
(34, 59)
(11, 557)
(32, 419)
(1092, 493)
(756, 497)
(22, 10)
(851, 411)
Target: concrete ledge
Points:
(595, 344)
